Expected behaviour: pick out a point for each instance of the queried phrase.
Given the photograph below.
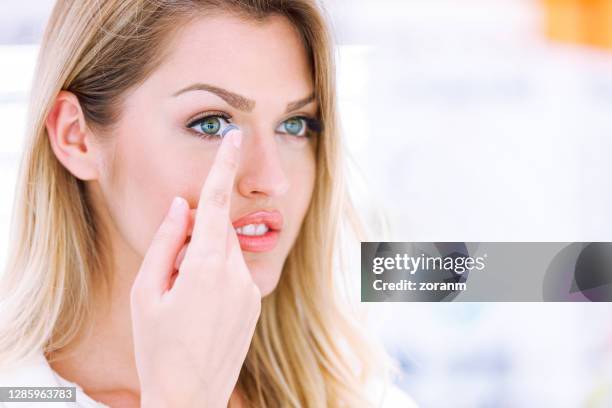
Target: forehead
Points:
(243, 55)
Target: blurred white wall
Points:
(472, 126)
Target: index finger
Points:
(212, 215)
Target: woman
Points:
(228, 297)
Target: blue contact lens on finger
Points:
(229, 127)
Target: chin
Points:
(265, 275)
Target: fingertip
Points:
(235, 134)
(177, 208)
(229, 128)
(236, 138)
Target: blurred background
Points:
(472, 120)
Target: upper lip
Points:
(272, 218)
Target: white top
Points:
(36, 372)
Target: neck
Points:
(103, 359)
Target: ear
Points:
(70, 138)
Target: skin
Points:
(152, 157)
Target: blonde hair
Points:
(308, 350)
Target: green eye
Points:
(295, 126)
(210, 125)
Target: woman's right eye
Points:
(209, 126)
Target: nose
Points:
(261, 172)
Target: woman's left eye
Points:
(210, 126)
(295, 126)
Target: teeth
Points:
(252, 229)
(261, 229)
(249, 229)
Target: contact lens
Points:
(228, 128)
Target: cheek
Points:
(300, 167)
(145, 181)
(302, 175)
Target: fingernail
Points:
(177, 207)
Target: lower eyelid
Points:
(204, 136)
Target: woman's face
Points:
(255, 75)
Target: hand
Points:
(191, 335)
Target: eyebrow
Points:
(238, 101)
(291, 106)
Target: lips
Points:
(273, 219)
(260, 243)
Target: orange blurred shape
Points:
(586, 22)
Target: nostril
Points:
(272, 189)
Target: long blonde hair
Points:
(308, 350)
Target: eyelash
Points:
(200, 118)
(312, 125)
